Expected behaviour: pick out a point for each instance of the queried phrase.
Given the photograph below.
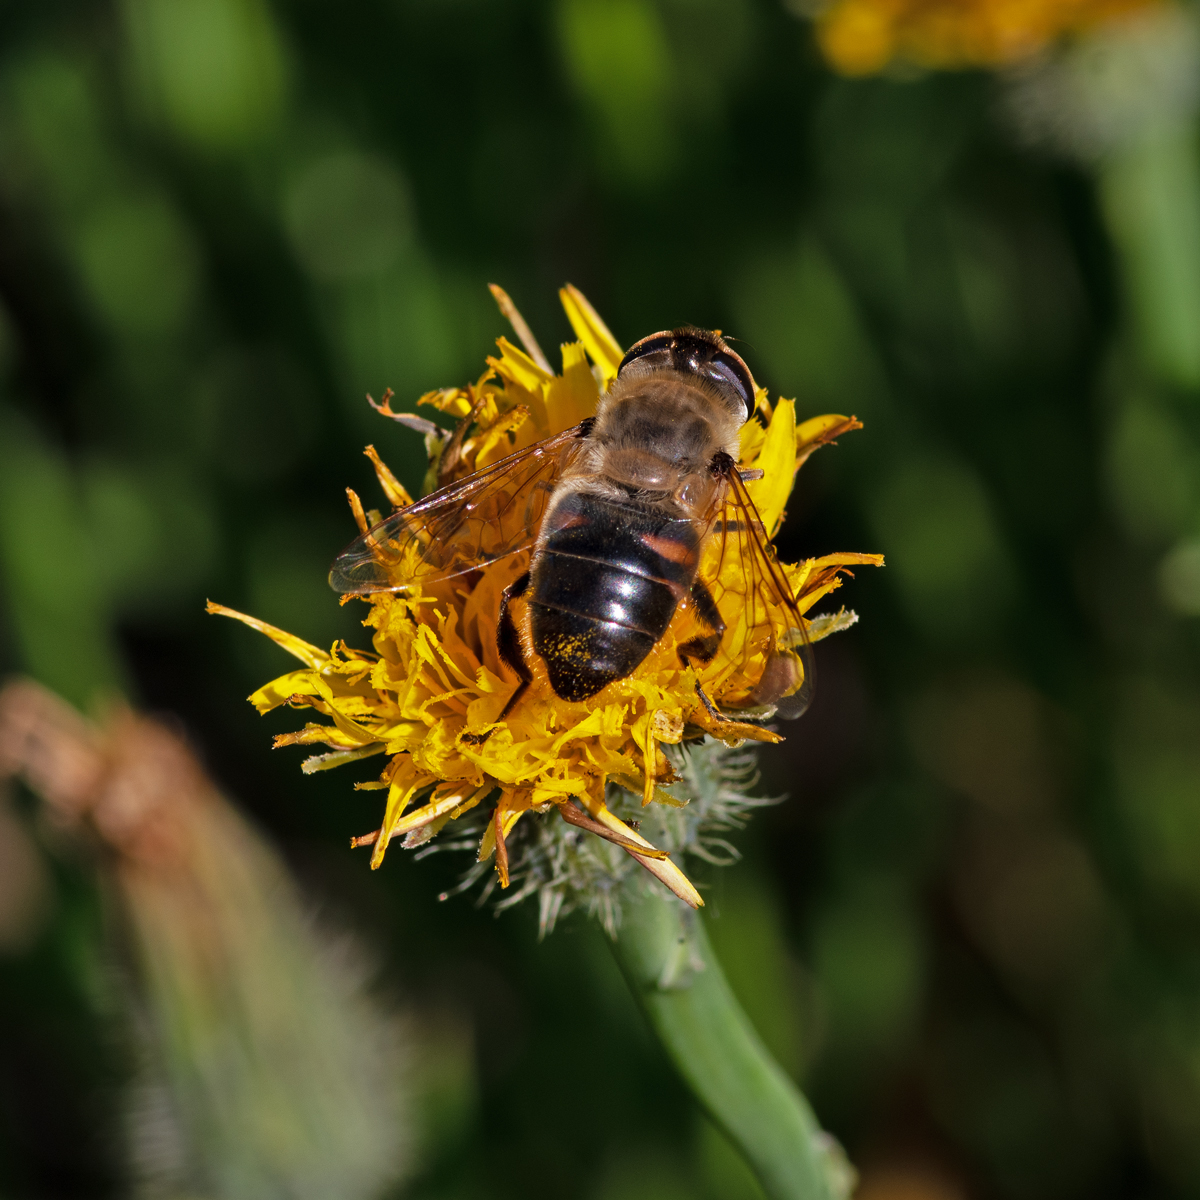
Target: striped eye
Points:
(656, 343)
(700, 352)
(727, 367)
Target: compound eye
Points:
(733, 371)
(656, 343)
(701, 353)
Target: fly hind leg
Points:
(508, 643)
(703, 649)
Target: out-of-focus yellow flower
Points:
(435, 674)
(861, 37)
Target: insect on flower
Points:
(589, 584)
(628, 514)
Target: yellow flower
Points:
(434, 682)
(861, 37)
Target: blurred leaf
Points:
(213, 72)
(51, 570)
(1158, 779)
(618, 57)
(443, 1082)
(795, 312)
(868, 956)
(255, 412)
(348, 216)
(996, 1088)
(287, 570)
(391, 331)
(61, 122)
(154, 534)
(934, 522)
(993, 739)
(1153, 471)
(1179, 578)
(642, 1173)
(140, 265)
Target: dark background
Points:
(970, 932)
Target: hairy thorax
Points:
(654, 438)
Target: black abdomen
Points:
(605, 586)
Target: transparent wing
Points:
(459, 528)
(764, 660)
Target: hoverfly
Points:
(628, 515)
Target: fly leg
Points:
(703, 649)
(508, 643)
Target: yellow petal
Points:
(326, 735)
(393, 489)
(600, 344)
(339, 758)
(815, 578)
(668, 727)
(849, 558)
(518, 366)
(406, 780)
(777, 460)
(460, 799)
(304, 651)
(351, 728)
(510, 815)
(456, 402)
(820, 431)
(494, 443)
(825, 624)
(280, 691)
(750, 443)
(662, 869)
(519, 324)
(574, 394)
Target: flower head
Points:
(862, 37)
(433, 695)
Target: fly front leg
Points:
(508, 644)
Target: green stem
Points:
(665, 955)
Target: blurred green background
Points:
(972, 931)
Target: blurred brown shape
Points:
(908, 1182)
(990, 737)
(25, 897)
(1023, 882)
(134, 782)
(265, 1067)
